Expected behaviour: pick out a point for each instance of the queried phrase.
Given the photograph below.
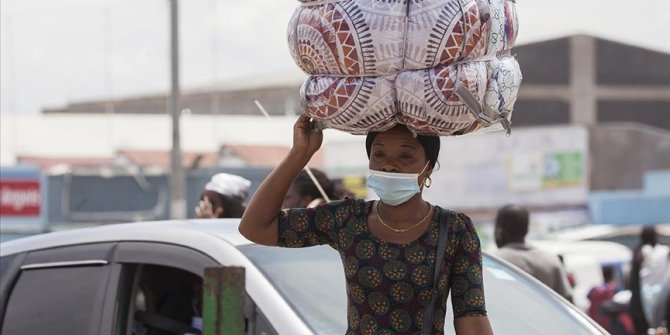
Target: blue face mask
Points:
(392, 188)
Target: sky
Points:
(55, 52)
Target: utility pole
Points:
(177, 198)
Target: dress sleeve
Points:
(306, 227)
(467, 290)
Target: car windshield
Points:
(312, 280)
(517, 304)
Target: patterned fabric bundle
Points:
(442, 67)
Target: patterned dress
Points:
(389, 284)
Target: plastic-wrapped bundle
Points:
(353, 104)
(353, 37)
(458, 99)
(440, 66)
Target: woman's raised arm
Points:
(259, 222)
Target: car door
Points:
(134, 288)
(154, 288)
(56, 291)
(157, 290)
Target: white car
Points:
(628, 235)
(97, 281)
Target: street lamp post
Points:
(177, 198)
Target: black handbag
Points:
(429, 312)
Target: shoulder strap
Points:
(439, 259)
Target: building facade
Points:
(579, 80)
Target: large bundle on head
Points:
(442, 67)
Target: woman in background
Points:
(304, 193)
(224, 197)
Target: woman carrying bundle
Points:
(389, 247)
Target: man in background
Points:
(511, 227)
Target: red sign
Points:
(20, 198)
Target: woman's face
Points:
(211, 205)
(397, 150)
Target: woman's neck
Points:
(412, 209)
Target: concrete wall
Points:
(580, 80)
(621, 154)
(585, 80)
(650, 205)
(96, 198)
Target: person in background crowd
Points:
(224, 197)
(304, 193)
(665, 310)
(649, 270)
(617, 322)
(341, 191)
(511, 227)
(662, 308)
(600, 294)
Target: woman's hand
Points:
(307, 138)
(260, 220)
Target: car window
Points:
(62, 300)
(160, 288)
(5, 263)
(159, 300)
(313, 282)
(9, 270)
(160, 291)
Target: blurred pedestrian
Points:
(224, 197)
(600, 294)
(341, 191)
(649, 273)
(604, 311)
(304, 193)
(662, 309)
(511, 227)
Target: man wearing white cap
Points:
(224, 197)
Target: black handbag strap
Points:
(439, 259)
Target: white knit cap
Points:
(229, 185)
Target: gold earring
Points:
(428, 182)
